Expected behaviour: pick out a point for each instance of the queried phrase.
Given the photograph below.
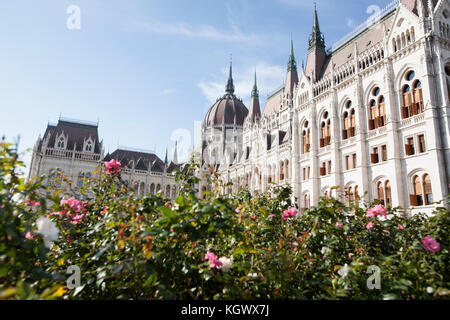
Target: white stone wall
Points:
(427, 56)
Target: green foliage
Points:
(130, 247)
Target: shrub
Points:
(238, 247)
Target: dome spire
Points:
(230, 86)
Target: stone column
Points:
(315, 192)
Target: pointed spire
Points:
(316, 51)
(255, 109)
(230, 86)
(165, 159)
(255, 93)
(316, 19)
(175, 154)
(291, 76)
(316, 39)
(292, 65)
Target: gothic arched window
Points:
(412, 98)
(377, 110)
(349, 119)
(61, 143)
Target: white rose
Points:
(48, 229)
(343, 272)
(226, 264)
(252, 275)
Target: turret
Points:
(316, 51)
(255, 109)
(291, 76)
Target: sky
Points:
(149, 70)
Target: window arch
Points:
(351, 193)
(349, 121)
(89, 146)
(387, 193)
(168, 191)
(422, 193)
(61, 144)
(306, 138)
(428, 194)
(412, 98)
(383, 191)
(142, 189)
(416, 198)
(377, 109)
(286, 168)
(281, 171)
(325, 130)
(306, 202)
(380, 192)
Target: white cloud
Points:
(269, 78)
(204, 31)
(168, 91)
(296, 3)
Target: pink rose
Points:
(339, 225)
(272, 216)
(378, 210)
(76, 219)
(370, 225)
(32, 203)
(29, 236)
(105, 208)
(385, 231)
(400, 227)
(238, 209)
(112, 166)
(74, 204)
(253, 218)
(213, 260)
(291, 212)
(167, 205)
(430, 244)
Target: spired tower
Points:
(255, 109)
(316, 51)
(222, 128)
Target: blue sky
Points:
(148, 68)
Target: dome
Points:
(228, 110)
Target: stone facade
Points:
(71, 148)
(371, 115)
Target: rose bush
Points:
(130, 247)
